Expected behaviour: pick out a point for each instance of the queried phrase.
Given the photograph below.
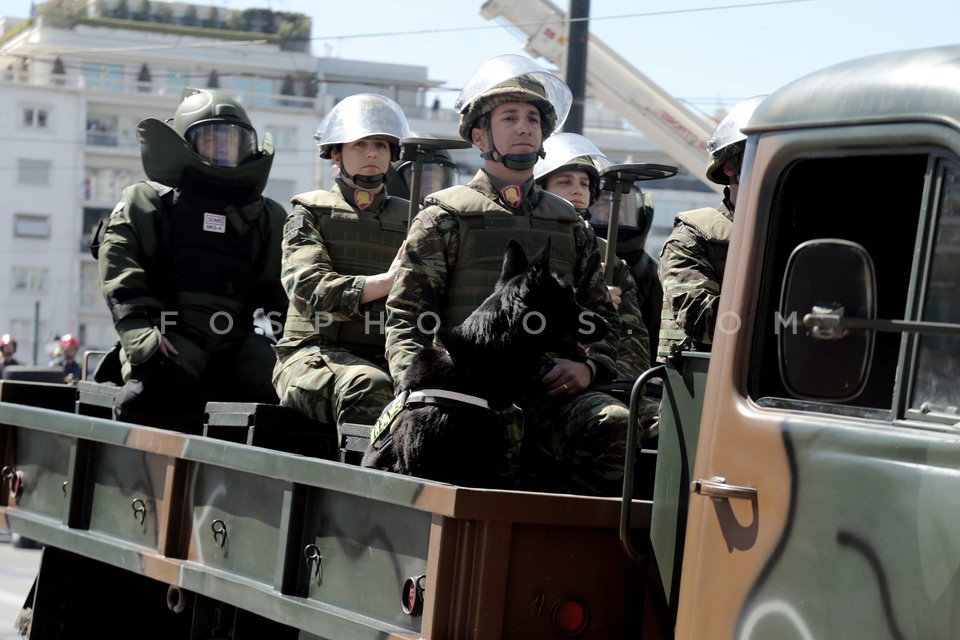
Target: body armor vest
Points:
(485, 229)
(359, 244)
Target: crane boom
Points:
(613, 80)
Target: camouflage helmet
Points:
(513, 78)
(360, 116)
(728, 139)
(566, 151)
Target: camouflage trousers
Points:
(573, 444)
(330, 384)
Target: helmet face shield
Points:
(434, 177)
(629, 217)
(223, 144)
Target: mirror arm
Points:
(830, 323)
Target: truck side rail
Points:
(315, 544)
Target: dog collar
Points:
(426, 395)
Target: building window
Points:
(102, 130)
(283, 137)
(27, 225)
(29, 279)
(176, 81)
(103, 77)
(33, 171)
(35, 118)
(91, 296)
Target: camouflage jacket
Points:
(691, 271)
(432, 247)
(326, 290)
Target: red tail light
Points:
(569, 616)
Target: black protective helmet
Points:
(216, 127)
(633, 221)
(209, 146)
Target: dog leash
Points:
(391, 412)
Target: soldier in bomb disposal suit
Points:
(185, 261)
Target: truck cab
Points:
(821, 502)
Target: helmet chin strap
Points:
(364, 182)
(514, 161)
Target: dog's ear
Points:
(514, 260)
(541, 261)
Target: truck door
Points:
(826, 505)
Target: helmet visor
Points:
(435, 176)
(223, 144)
(629, 210)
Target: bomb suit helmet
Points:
(209, 145)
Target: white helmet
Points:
(572, 151)
(360, 116)
(728, 139)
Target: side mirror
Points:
(826, 277)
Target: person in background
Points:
(186, 260)
(341, 253)
(570, 439)
(571, 169)
(694, 255)
(66, 357)
(8, 347)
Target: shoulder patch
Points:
(292, 225)
(424, 219)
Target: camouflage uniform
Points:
(644, 268)
(691, 270)
(584, 454)
(330, 361)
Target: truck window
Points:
(874, 200)
(935, 388)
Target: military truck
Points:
(802, 485)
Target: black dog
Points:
(444, 424)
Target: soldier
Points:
(341, 252)
(694, 255)
(571, 169)
(186, 259)
(573, 438)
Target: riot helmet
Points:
(362, 115)
(634, 221)
(728, 139)
(512, 78)
(209, 146)
(571, 151)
